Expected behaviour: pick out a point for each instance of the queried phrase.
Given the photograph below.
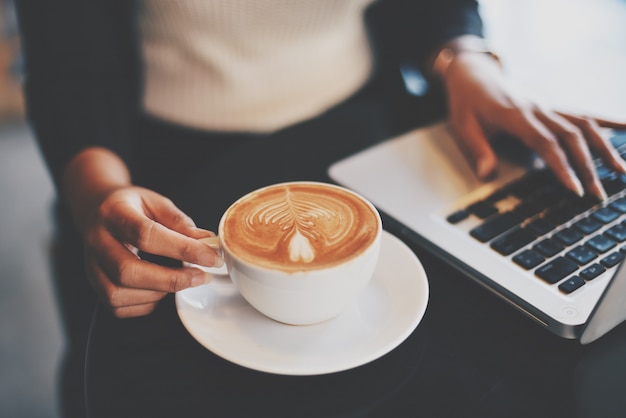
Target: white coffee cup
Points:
(300, 252)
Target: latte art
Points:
(299, 226)
(307, 223)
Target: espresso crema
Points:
(299, 226)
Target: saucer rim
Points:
(419, 304)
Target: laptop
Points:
(554, 256)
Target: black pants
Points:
(204, 172)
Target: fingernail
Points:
(213, 242)
(600, 193)
(575, 184)
(484, 170)
(200, 278)
(578, 189)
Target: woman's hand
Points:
(117, 220)
(481, 104)
(131, 219)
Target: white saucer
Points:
(383, 316)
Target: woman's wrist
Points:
(89, 177)
(440, 62)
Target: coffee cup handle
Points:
(214, 243)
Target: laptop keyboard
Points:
(562, 238)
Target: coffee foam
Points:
(299, 226)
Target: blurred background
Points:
(30, 331)
(569, 53)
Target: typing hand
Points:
(133, 218)
(481, 104)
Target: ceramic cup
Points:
(300, 252)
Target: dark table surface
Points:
(471, 355)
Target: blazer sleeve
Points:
(409, 31)
(80, 76)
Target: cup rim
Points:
(374, 210)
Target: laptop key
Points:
(555, 270)
(528, 259)
(581, 255)
(605, 215)
(541, 226)
(561, 214)
(483, 209)
(549, 247)
(603, 172)
(568, 236)
(571, 284)
(527, 185)
(612, 259)
(617, 232)
(495, 226)
(528, 209)
(587, 225)
(619, 205)
(593, 271)
(618, 139)
(512, 241)
(458, 216)
(613, 185)
(582, 204)
(601, 244)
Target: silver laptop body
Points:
(420, 178)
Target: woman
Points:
(129, 100)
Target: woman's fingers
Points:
(611, 124)
(599, 143)
(574, 143)
(476, 148)
(146, 225)
(132, 219)
(169, 215)
(123, 302)
(131, 286)
(125, 269)
(477, 92)
(532, 132)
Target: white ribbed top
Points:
(251, 65)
